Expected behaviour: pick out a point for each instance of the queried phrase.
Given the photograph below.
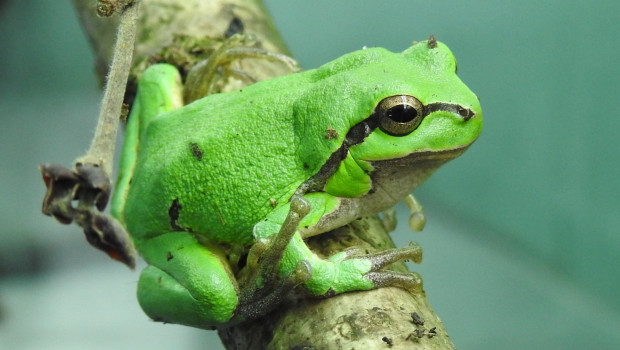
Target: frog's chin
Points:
(394, 179)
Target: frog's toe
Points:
(379, 260)
(411, 282)
(381, 278)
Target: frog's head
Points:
(393, 118)
(424, 117)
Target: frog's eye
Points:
(399, 115)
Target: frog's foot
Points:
(411, 281)
(350, 271)
(201, 78)
(79, 196)
(416, 217)
(263, 288)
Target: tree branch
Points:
(101, 150)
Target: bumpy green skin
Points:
(208, 179)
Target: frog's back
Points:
(225, 162)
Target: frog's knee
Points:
(164, 299)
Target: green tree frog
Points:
(220, 194)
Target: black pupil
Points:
(402, 113)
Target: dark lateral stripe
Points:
(316, 182)
(465, 113)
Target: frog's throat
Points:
(392, 180)
(398, 177)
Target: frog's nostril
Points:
(466, 113)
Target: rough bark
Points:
(364, 320)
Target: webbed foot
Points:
(410, 281)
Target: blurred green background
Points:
(521, 246)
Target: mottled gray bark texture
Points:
(184, 32)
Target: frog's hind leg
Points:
(186, 282)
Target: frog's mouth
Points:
(421, 158)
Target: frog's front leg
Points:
(262, 286)
(343, 272)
